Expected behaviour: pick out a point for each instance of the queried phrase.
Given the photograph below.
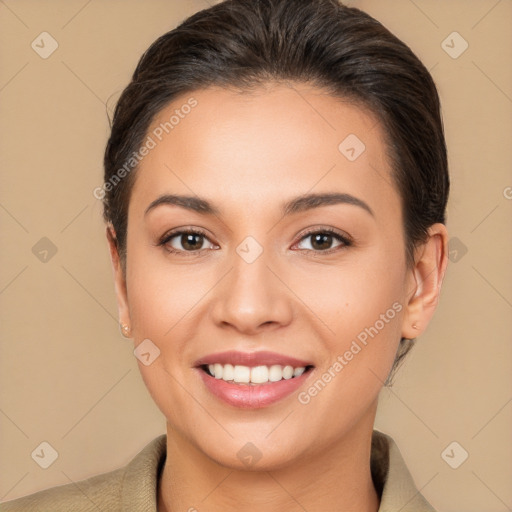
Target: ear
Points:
(119, 280)
(425, 280)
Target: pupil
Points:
(189, 241)
(324, 240)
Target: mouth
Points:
(252, 380)
(254, 376)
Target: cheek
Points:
(365, 315)
(163, 302)
(161, 296)
(351, 295)
(360, 306)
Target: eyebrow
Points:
(296, 205)
(310, 201)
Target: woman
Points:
(275, 191)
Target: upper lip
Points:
(261, 358)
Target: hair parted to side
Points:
(243, 44)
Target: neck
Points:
(338, 479)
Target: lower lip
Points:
(252, 396)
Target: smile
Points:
(256, 375)
(252, 380)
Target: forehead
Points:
(252, 150)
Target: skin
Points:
(247, 153)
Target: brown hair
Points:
(246, 43)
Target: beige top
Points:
(133, 488)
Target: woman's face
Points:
(265, 276)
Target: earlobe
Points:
(427, 277)
(119, 283)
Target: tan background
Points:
(69, 378)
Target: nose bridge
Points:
(251, 295)
(250, 270)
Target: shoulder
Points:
(97, 492)
(392, 479)
(135, 483)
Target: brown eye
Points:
(182, 242)
(189, 241)
(322, 240)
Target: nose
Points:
(252, 297)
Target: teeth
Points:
(217, 368)
(228, 372)
(275, 373)
(254, 375)
(287, 372)
(298, 371)
(242, 374)
(259, 374)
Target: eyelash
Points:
(346, 241)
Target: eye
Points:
(189, 241)
(321, 240)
